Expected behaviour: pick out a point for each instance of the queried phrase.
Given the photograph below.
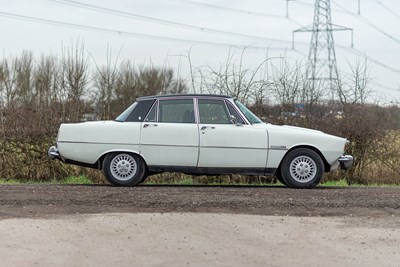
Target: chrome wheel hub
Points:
(123, 167)
(303, 169)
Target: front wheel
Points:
(123, 169)
(302, 168)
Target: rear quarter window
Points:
(140, 111)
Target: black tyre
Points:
(123, 169)
(302, 168)
(278, 175)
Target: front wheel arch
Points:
(327, 167)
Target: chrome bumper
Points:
(346, 162)
(53, 153)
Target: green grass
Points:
(344, 184)
(69, 180)
(189, 181)
(77, 180)
(11, 181)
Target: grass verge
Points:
(189, 181)
(69, 180)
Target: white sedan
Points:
(198, 134)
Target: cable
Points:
(385, 87)
(162, 21)
(359, 53)
(387, 9)
(242, 11)
(248, 12)
(354, 50)
(373, 82)
(369, 23)
(131, 34)
(309, 4)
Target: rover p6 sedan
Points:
(198, 134)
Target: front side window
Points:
(234, 113)
(176, 111)
(213, 112)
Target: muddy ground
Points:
(86, 225)
(47, 200)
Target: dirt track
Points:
(45, 200)
(61, 225)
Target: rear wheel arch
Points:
(100, 161)
(123, 168)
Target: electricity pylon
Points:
(322, 67)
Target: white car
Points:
(198, 134)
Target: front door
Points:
(229, 145)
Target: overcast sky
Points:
(376, 32)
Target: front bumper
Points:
(53, 153)
(346, 162)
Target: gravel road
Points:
(79, 225)
(42, 200)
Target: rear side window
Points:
(176, 111)
(152, 115)
(140, 111)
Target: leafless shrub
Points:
(233, 78)
(74, 80)
(37, 95)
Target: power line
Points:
(131, 34)
(360, 53)
(237, 10)
(322, 65)
(373, 82)
(312, 5)
(369, 23)
(352, 49)
(385, 87)
(387, 9)
(162, 21)
(178, 40)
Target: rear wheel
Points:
(123, 169)
(302, 168)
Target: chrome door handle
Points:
(205, 127)
(147, 125)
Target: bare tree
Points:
(355, 90)
(105, 83)
(233, 78)
(74, 79)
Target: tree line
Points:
(38, 94)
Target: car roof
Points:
(182, 95)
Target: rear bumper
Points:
(346, 162)
(53, 153)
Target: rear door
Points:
(169, 134)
